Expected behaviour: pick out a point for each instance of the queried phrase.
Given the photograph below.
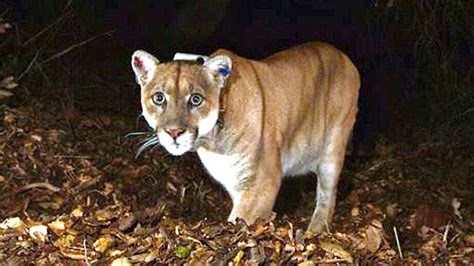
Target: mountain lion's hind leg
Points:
(328, 176)
(328, 170)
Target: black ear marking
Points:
(200, 60)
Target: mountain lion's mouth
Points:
(178, 149)
(177, 146)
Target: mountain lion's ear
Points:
(143, 65)
(219, 67)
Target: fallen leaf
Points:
(392, 210)
(151, 256)
(127, 221)
(355, 212)
(306, 263)
(39, 232)
(78, 212)
(12, 223)
(432, 247)
(4, 26)
(182, 252)
(76, 253)
(8, 83)
(36, 137)
(103, 243)
(337, 251)
(5, 94)
(53, 204)
(456, 205)
(469, 239)
(107, 213)
(121, 262)
(65, 241)
(374, 237)
(238, 257)
(116, 252)
(57, 226)
(353, 198)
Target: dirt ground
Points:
(72, 193)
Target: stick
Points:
(45, 29)
(67, 50)
(445, 235)
(40, 69)
(44, 185)
(86, 259)
(331, 261)
(398, 243)
(72, 156)
(27, 69)
(4, 13)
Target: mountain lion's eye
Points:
(159, 98)
(195, 100)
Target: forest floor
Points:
(71, 192)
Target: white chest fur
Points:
(228, 170)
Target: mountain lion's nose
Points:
(174, 133)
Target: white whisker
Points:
(145, 144)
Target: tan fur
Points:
(289, 114)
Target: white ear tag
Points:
(190, 57)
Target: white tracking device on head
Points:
(190, 57)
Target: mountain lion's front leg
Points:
(258, 194)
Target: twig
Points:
(43, 185)
(18, 35)
(331, 261)
(40, 69)
(27, 69)
(458, 116)
(84, 185)
(183, 193)
(398, 243)
(445, 235)
(4, 13)
(67, 50)
(44, 30)
(72, 156)
(86, 259)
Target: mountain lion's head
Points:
(180, 99)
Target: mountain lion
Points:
(253, 122)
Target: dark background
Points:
(65, 124)
(415, 57)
